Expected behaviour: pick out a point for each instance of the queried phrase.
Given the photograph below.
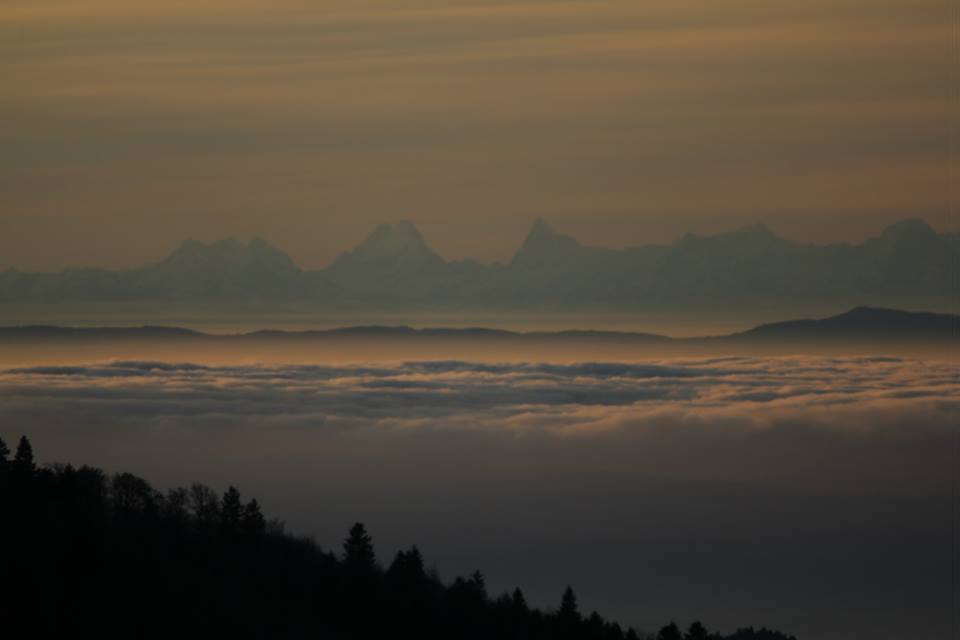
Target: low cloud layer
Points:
(810, 494)
(513, 395)
(755, 419)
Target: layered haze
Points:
(656, 299)
(137, 124)
(729, 280)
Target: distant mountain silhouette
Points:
(858, 324)
(908, 265)
(224, 270)
(864, 322)
(194, 271)
(952, 240)
(390, 253)
(544, 249)
(392, 266)
(228, 255)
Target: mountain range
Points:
(908, 265)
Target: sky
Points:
(806, 493)
(128, 126)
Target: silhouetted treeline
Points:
(87, 553)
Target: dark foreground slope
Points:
(90, 555)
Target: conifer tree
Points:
(23, 463)
(670, 632)
(477, 585)
(231, 510)
(253, 523)
(569, 611)
(358, 554)
(4, 455)
(696, 632)
(407, 568)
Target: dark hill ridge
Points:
(908, 265)
(858, 324)
(865, 322)
(110, 556)
(41, 331)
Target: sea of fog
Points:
(811, 494)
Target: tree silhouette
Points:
(478, 585)
(569, 612)
(205, 505)
(358, 553)
(568, 616)
(132, 495)
(175, 506)
(696, 632)
(231, 511)
(23, 463)
(595, 625)
(407, 569)
(4, 455)
(76, 538)
(252, 523)
(670, 632)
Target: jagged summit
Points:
(540, 230)
(908, 245)
(911, 227)
(406, 228)
(544, 246)
(227, 254)
(398, 248)
(389, 239)
(912, 233)
(908, 265)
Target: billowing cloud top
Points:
(773, 411)
(481, 391)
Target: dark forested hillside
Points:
(85, 553)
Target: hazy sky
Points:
(127, 126)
